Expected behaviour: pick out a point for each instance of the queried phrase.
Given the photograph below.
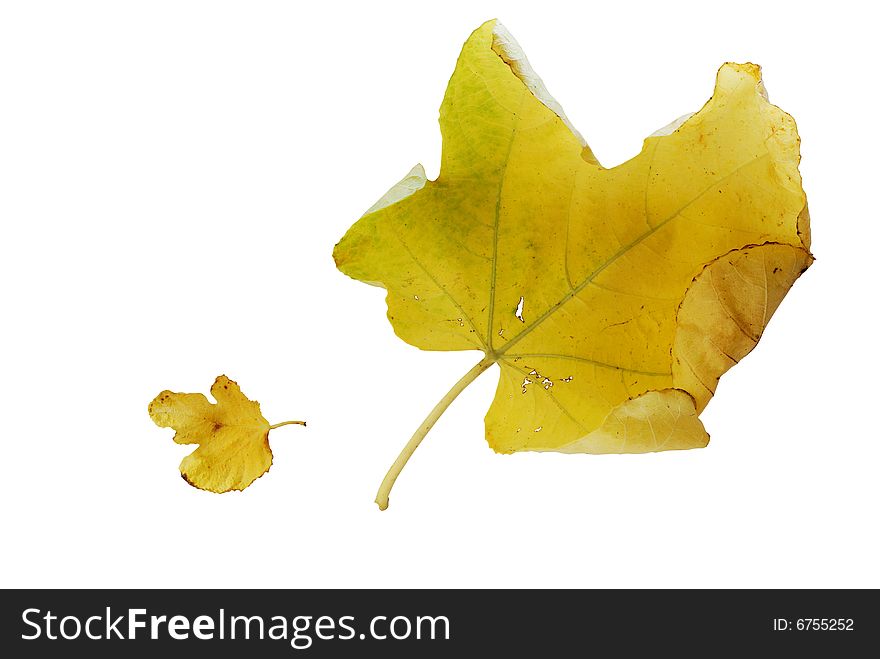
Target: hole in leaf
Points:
(519, 309)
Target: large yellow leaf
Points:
(612, 299)
(232, 434)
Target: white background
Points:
(173, 177)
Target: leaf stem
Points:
(427, 424)
(287, 423)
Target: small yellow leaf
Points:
(232, 434)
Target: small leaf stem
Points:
(427, 424)
(287, 423)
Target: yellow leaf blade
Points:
(573, 277)
(232, 435)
